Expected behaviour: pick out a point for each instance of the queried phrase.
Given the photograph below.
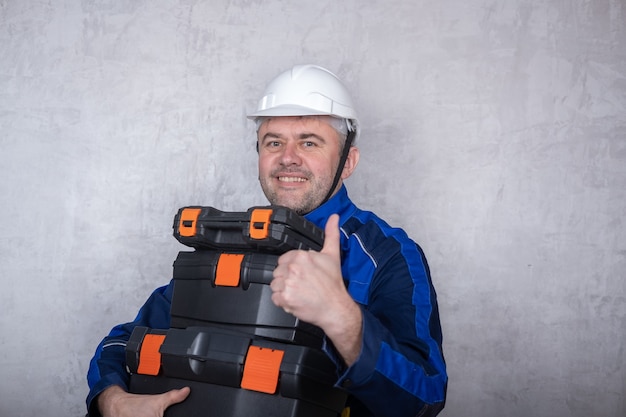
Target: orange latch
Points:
(259, 223)
(228, 270)
(149, 355)
(188, 221)
(262, 369)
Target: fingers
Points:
(302, 279)
(331, 237)
(116, 402)
(176, 396)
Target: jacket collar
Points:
(340, 204)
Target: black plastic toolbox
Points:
(232, 291)
(272, 229)
(232, 374)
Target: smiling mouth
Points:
(292, 179)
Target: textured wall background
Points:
(494, 132)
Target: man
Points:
(368, 289)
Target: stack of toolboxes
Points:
(241, 355)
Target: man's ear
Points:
(351, 162)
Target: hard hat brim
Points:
(288, 110)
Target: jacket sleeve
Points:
(108, 365)
(401, 369)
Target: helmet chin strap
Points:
(342, 162)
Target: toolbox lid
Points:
(274, 229)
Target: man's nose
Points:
(290, 155)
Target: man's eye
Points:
(309, 144)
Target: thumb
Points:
(176, 396)
(331, 237)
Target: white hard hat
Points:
(307, 90)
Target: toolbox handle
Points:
(258, 268)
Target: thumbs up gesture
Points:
(309, 285)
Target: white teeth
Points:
(291, 179)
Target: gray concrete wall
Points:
(494, 132)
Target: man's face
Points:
(298, 158)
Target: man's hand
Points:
(115, 402)
(309, 285)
